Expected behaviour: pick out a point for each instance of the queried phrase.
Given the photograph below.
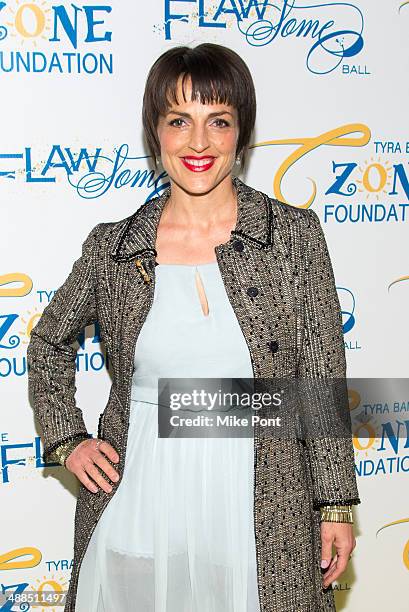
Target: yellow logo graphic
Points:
(15, 277)
(43, 589)
(405, 552)
(11, 560)
(8, 559)
(30, 21)
(28, 326)
(398, 280)
(374, 170)
(337, 137)
(354, 399)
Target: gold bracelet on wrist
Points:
(337, 514)
(64, 450)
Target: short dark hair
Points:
(217, 73)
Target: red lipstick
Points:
(198, 163)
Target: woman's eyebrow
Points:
(214, 114)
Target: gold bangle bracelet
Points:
(64, 450)
(337, 514)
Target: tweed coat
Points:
(279, 279)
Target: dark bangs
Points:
(218, 75)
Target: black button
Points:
(238, 245)
(252, 291)
(273, 346)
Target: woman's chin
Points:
(198, 183)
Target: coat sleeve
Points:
(51, 360)
(329, 446)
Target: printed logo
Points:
(405, 551)
(45, 593)
(331, 32)
(372, 189)
(46, 38)
(16, 327)
(398, 280)
(347, 301)
(379, 414)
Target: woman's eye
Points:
(218, 122)
(222, 122)
(173, 122)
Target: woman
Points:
(250, 532)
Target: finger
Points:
(330, 568)
(326, 551)
(106, 467)
(333, 576)
(108, 450)
(343, 557)
(96, 475)
(86, 481)
(328, 576)
(340, 566)
(75, 459)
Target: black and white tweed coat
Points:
(279, 279)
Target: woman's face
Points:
(198, 142)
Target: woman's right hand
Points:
(85, 458)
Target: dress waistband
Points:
(144, 393)
(146, 389)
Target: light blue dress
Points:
(178, 536)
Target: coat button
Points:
(238, 245)
(273, 346)
(252, 291)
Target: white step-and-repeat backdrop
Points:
(332, 133)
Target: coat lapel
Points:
(138, 235)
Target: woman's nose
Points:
(199, 139)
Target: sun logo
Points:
(375, 176)
(50, 591)
(28, 324)
(30, 21)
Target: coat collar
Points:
(254, 224)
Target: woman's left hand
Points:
(342, 536)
